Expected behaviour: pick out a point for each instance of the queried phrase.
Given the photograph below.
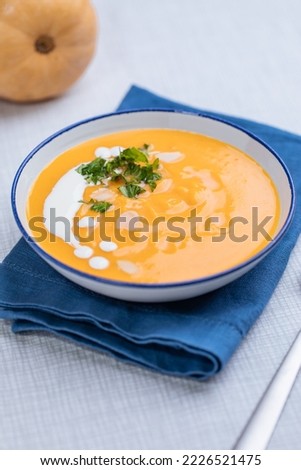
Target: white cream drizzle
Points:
(169, 157)
(115, 151)
(83, 252)
(127, 266)
(102, 152)
(63, 202)
(103, 194)
(163, 186)
(99, 262)
(107, 246)
(107, 153)
(208, 180)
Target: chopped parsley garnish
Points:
(94, 171)
(98, 206)
(131, 190)
(133, 154)
(131, 167)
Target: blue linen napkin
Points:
(193, 338)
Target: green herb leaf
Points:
(98, 206)
(101, 206)
(156, 164)
(94, 171)
(134, 154)
(131, 190)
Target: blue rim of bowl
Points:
(190, 282)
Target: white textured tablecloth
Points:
(240, 58)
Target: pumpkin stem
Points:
(44, 44)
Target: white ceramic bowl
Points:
(200, 123)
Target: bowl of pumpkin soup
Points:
(152, 205)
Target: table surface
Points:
(239, 58)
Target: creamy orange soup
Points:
(201, 218)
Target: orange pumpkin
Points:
(45, 45)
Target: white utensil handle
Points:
(262, 423)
